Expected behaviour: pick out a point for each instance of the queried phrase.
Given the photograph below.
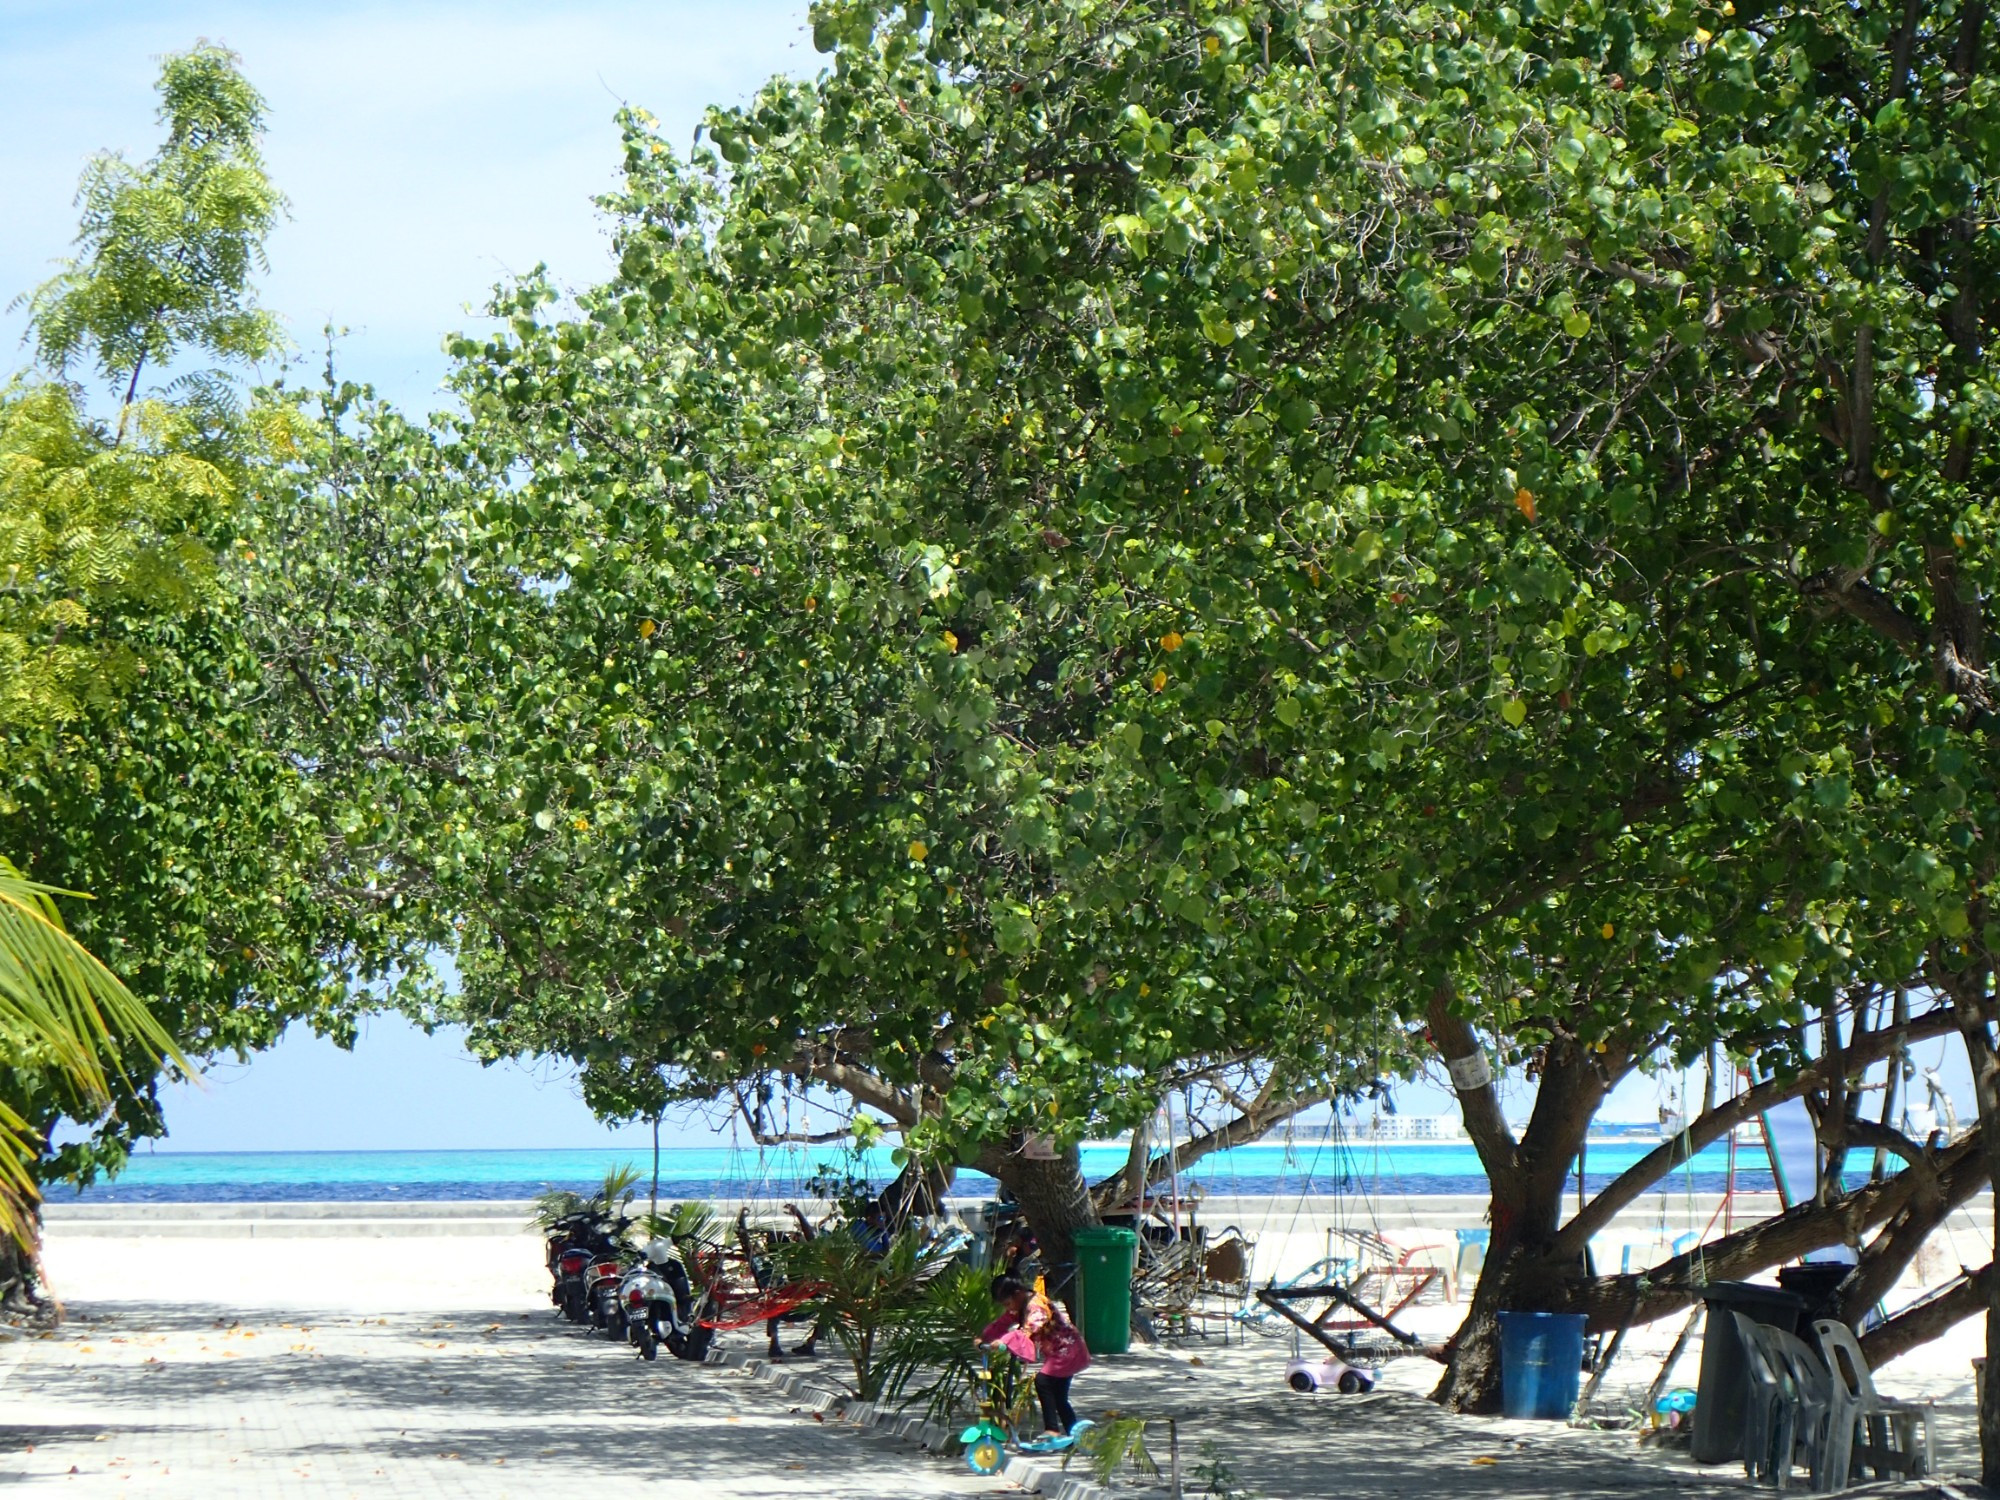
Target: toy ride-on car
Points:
(1330, 1374)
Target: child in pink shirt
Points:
(1030, 1324)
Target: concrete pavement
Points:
(169, 1401)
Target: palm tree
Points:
(61, 1005)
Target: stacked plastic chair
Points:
(1890, 1437)
(1790, 1406)
(1765, 1413)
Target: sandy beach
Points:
(353, 1349)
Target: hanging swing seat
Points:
(729, 1310)
(1167, 1280)
(734, 1294)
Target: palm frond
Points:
(689, 1222)
(941, 1339)
(61, 1001)
(552, 1207)
(1112, 1443)
(57, 993)
(620, 1183)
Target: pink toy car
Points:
(1330, 1374)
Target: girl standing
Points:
(1039, 1331)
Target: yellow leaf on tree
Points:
(1609, 932)
(950, 641)
(1159, 681)
(646, 629)
(1171, 641)
(1524, 502)
(919, 849)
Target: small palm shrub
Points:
(940, 1340)
(864, 1300)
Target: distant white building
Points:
(1381, 1128)
(1410, 1128)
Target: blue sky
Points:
(428, 149)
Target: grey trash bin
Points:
(1722, 1393)
(1816, 1281)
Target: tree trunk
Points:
(1056, 1201)
(1518, 1277)
(20, 1278)
(1975, 1012)
(917, 1193)
(1523, 1273)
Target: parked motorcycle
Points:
(657, 1303)
(601, 1279)
(568, 1256)
(578, 1246)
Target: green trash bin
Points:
(1104, 1261)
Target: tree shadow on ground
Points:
(503, 1390)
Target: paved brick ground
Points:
(1231, 1404)
(164, 1401)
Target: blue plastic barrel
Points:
(1541, 1356)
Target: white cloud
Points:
(428, 148)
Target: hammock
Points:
(733, 1312)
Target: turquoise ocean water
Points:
(722, 1172)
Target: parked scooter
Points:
(601, 1279)
(657, 1304)
(571, 1241)
(580, 1246)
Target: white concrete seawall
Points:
(1290, 1233)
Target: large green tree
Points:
(1091, 533)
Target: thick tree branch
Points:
(1265, 1114)
(1929, 1319)
(1958, 646)
(1844, 590)
(1804, 1227)
(1472, 1079)
(863, 1087)
(1889, 1254)
(1861, 1052)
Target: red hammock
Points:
(733, 1312)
